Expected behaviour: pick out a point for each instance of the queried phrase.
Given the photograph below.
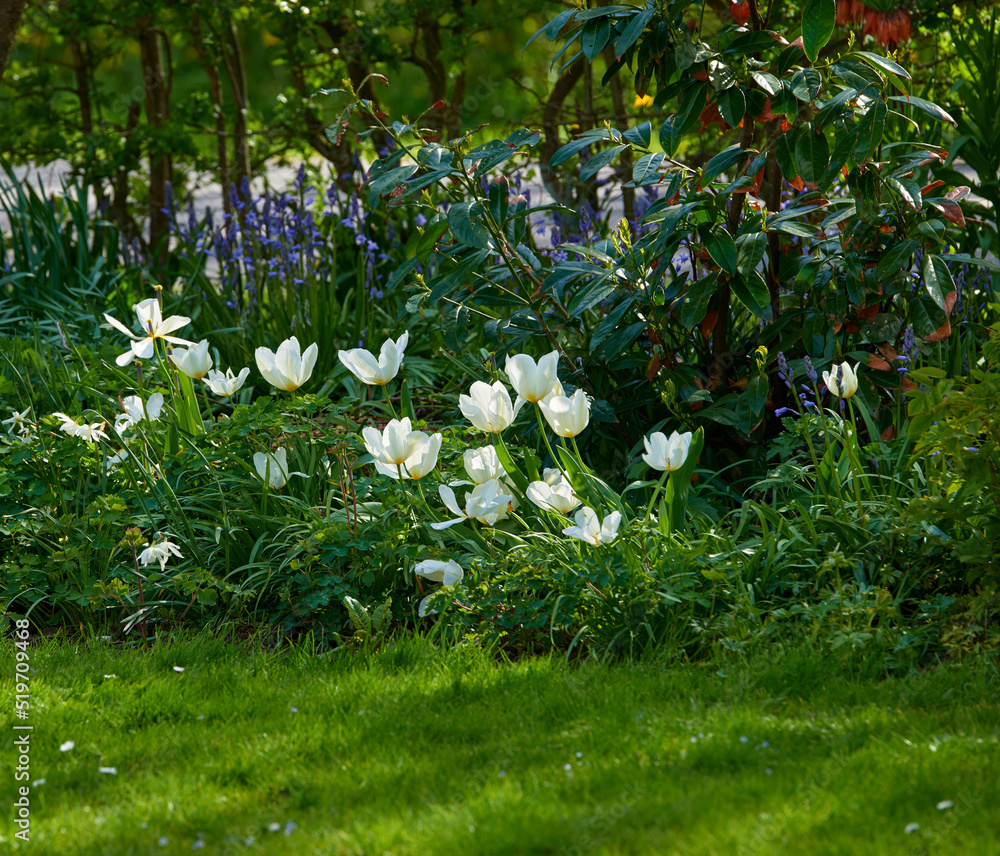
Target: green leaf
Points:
(723, 161)
(896, 259)
(909, 190)
(675, 497)
(750, 253)
(595, 37)
(732, 105)
(930, 108)
(721, 247)
(812, 154)
(756, 394)
(818, 17)
(671, 134)
(647, 169)
(424, 244)
(751, 291)
(925, 315)
(465, 219)
(937, 280)
(639, 135)
(633, 31)
(599, 161)
(694, 302)
(752, 42)
(886, 65)
(784, 154)
(870, 130)
(806, 84)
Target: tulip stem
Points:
(548, 445)
(652, 499)
(388, 401)
(855, 448)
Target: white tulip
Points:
(485, 503)
(489, 407)
(483, 464)
(135, 411)
(533, 381)
(450, 573)
(288, 367)
(667, 454)
(397, 442)
(589, 529)
(842, 381)
(274, 468)
(554, 493)
(567, 416)
(366, 368)
(194, 361)
(153, 325)
(226, 385)
(421, 462)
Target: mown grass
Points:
(420, 751)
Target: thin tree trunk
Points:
(215, 90)
(236, 71)
(157, 117)
(10, 21)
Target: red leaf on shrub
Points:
(708, 322)
(957, 194)
(878, 364)
(927, 188)
(950, 299)
(952, 212)
(889, 433)
(711, 115)
(765, 115)
(942, 332)
(437, 105)
(652, 368)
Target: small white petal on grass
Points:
(911, 827)
(290, 827)
(178, 668)
(107, 677)
(65, 747)
(941, 806)
(164, 841)
(567, 767)
(273, 827)
(111, 771)
(198, 845)
(37, 783)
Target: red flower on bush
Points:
(887, 28)
(740, 12)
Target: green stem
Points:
(652, 499)
(388, 401)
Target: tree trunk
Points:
(10, 22)
(215, 89)
(236, 71)
(157, 117)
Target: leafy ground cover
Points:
(416, 750)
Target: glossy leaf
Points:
(818, 17)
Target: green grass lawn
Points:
(418, 751)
